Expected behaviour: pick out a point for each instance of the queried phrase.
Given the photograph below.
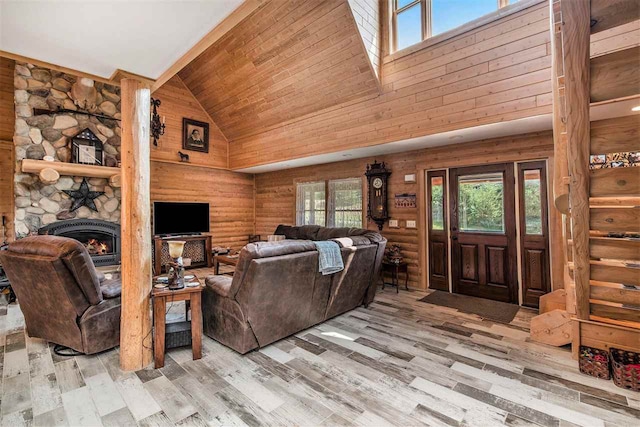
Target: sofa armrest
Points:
(220, 284)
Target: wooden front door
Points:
(483, 232)
(437, 229)
(534, 231)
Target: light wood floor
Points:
(399, 362)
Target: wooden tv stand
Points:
(199, 245)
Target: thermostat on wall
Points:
(410, 177)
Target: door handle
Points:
(454, 237)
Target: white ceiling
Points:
(144, 37)
(476, 133)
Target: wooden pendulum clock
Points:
(377, 177)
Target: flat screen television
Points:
(180, 218)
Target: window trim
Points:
(502, 12)
(297, 182)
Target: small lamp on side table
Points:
(175, 268)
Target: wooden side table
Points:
(395, 269)
(224, 259)
(192, 296)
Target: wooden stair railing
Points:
(600, 207)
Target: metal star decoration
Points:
(83, 197)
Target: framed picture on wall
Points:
(195, 135)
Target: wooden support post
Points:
(135, 328)
(576, 15)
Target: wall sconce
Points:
(157, 128)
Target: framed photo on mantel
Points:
(195, 135)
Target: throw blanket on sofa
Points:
(329, 257)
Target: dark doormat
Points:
(496, 311)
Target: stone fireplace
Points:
(101, 238)
(40, 204)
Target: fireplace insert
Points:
(101, 238)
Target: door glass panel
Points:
(481, 203)
(532, 202)
(437, 203)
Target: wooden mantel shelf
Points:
(49, 172)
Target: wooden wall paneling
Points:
(7, 109)
(229, 194)
(471, 79)
(275, 191)
(287, 59)
(367, 16)
(178, 103)
(7, 208)
(615, 135)
(7, 128)
(615, 75)
(238, 15)
(608, 14)
(575, 39)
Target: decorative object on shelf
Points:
(84, 94)
(195, 135)
(615, 160)
(393, 254)
(377, 177)
(87, 149)
(83, 197)
(175, 268)
(45, 112)
(184, 158)
(157, 127)
(405, 200)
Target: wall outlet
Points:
(393, 223)
(410, 178)
(411, 224)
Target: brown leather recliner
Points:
(277, 290)
(63, 298)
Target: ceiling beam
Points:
(243, 11)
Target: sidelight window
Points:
(532, 202)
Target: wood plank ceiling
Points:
(285, 60)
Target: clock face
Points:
(377, 183)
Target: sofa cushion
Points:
(111, 288)
(308, 232)
(283, 247)
(287, 231)
(220, 284)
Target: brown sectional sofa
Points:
(277, 291)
